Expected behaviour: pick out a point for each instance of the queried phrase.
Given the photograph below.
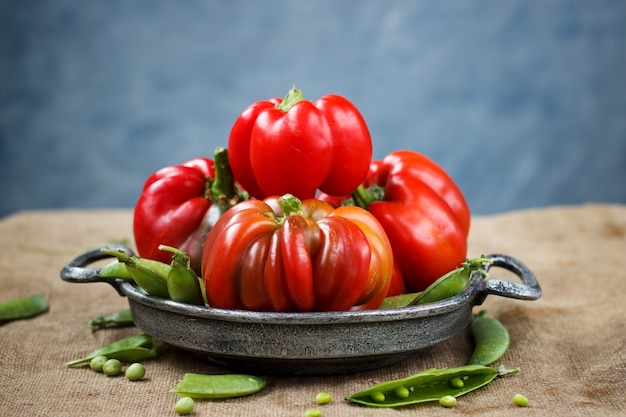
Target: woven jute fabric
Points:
(569, 344)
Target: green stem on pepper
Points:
(364, 197)
(293, 96)
(223, 186)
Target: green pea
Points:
(112, 367)
(184, 406)
(98, 362)
(402, 392)
(447, 401)
(378, 396)
(323, 398)
(135, 372)
(520, 400)
(457, 382)
(312, 412)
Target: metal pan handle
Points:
(76, 270)
(528, 289)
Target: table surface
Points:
(569, 344)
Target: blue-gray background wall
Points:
(523, 102)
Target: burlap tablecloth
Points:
(569, 344)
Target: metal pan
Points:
(306, 343)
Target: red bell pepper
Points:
(423, 213)
(179, 204)
(283, 254)
(296, 146)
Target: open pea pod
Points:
(130, 349)
(429, 385)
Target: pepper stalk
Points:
(362, 197)
(293, 96)
(222, 188)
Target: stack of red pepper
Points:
(346, 233)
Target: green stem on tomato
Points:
(293, 96)
(290, 205)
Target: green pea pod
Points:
(22, 308)
(398, 301)
(453, 282)
(150, 275)
(183, 284)
(491, 339)
(429, 385)
(115, 269)
(122, 318)
(131, 349)
(218, 386)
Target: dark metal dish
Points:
(307, 343)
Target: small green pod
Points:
(148, 274)
(429, 385)
(130, 349)
(22, 308)
(491, 339)
(115, 269)
(218, 386)
(452, 283)
(122, 318)
(183, 284)
(398, 301)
